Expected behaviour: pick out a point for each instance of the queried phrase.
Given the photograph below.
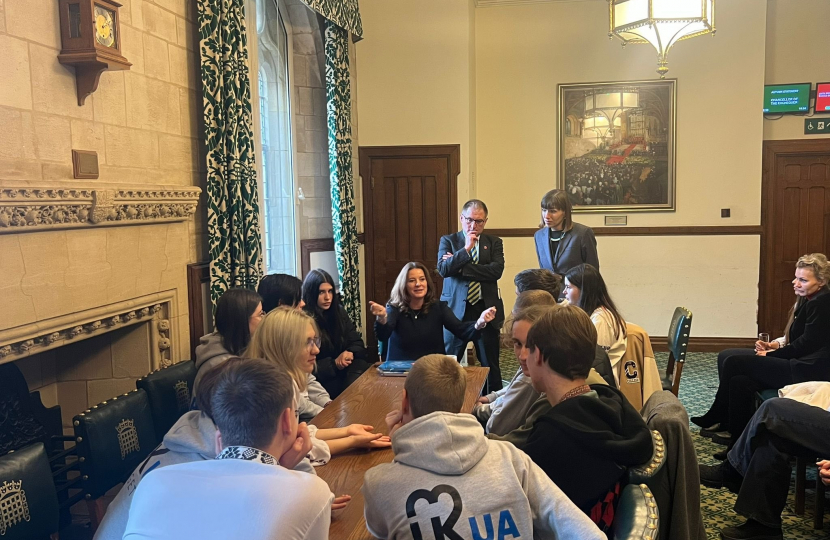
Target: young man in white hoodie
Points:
(240, 493)
(449, 481)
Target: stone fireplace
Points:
(94, 288)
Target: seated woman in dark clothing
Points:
(592, 434)
(414, 321)
(342, 356)
(804, 357)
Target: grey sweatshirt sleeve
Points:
(553, 512)
(316, 393)
(515, 403)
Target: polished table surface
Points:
(367, 401)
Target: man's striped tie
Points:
(474, 292)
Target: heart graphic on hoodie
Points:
(440, 530)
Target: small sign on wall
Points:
(816, 126)
(616, 221)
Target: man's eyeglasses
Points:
(313, 342)
(478, 222)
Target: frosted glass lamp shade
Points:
(661, 23)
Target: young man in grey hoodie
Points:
(449, 481)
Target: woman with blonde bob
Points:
(803, 354)
(288, 338)
(413, 321)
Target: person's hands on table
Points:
(340, 502)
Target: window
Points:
(275, 133)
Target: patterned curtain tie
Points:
(474, 292)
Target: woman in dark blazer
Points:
(562, 244)
(805, 356)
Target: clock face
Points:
(104, 26)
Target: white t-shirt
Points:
(229, 498)
(610, 337)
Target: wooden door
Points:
(795, 214)
(409, 202)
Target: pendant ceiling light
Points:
(661, 23)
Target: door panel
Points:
(410, 202)
(795, 210)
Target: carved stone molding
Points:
(157, 309)
(24, 209)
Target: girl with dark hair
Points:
(238, 314)
(280, 290)
(342, 356)
(562, 244)
(585, 288)
(413, 321)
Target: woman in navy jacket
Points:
(805, 357)
(562, 244)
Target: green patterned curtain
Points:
(343, 13)
(339, 116)
(233, 201)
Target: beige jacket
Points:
(637, 371)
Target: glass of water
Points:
(763, 336)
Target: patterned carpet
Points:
(697, 390)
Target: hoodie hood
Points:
(441, 442)
(193, 433)
(210, 347)
(606, 425)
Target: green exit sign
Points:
(813, 126)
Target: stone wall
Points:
(145, 125)
(309, 121)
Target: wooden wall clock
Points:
(90, 41)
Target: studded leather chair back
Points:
(28, 501)
(169, 391)
(112, 439)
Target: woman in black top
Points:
(805, 357)
(414, 321)
(342, 356)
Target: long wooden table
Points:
(367, 401)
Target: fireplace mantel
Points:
(87, 205)
(157, 309)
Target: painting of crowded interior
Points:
(616, 145)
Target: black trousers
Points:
(781, 428)
(740, 377)
(487, 346)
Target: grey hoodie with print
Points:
(448, 477)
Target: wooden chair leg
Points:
(800, 484)
(96, 508)
(675, 387)
(818, 518)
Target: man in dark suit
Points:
(471, 264)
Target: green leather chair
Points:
(650, 472)
(169, 391)
(112, 438)
(28, 500)
(637, 516)
(678, 342)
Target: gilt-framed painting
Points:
(616, 150)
